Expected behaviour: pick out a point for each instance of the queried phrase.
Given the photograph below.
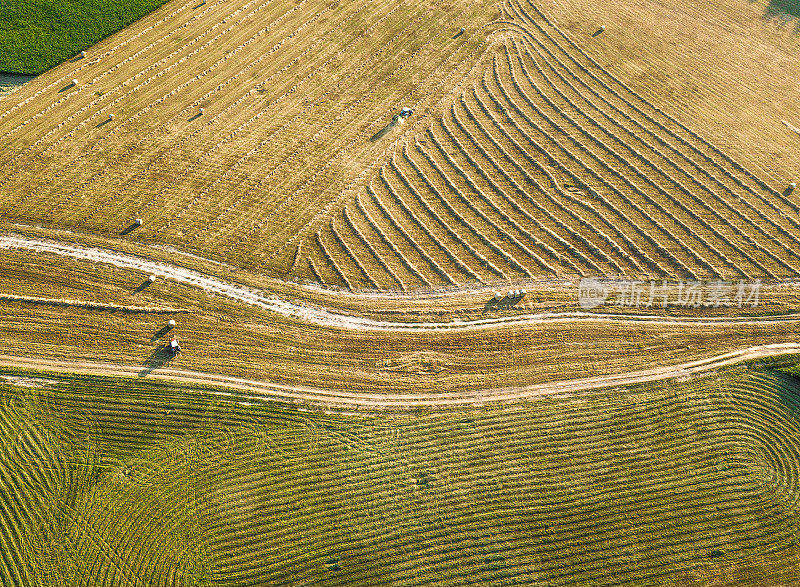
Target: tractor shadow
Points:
(65, 88)
(158, 358)
(501, 304)
(143, 286)
(598, 32)
(383, 132)
(130, 228)
(458, 34)
(103, 123)
(195, 117)
(788, 191)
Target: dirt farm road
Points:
(332, 318)
(341, 400)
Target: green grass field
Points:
(115, 482)
(36, 35)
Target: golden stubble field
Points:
(260, 134)
(726, 69)
(290, 94)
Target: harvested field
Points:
(526, 156)
(290, 94)
(426, 343)
(549, 165)
(109, 480)
(236, 173)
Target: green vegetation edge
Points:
(36, 35)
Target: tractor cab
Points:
(404, 113)
(173, 348)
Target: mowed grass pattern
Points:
(115, 482)
(548, 165)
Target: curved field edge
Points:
(107, 481)
(491, 317)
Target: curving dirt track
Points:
(330, 318)
(345, 400)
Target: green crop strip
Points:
(36, 35)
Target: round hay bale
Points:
(792, 185)
(602, 27)
(171, 323)
(138, 222)
(522, 293)
(511, 294)
(462, 30)
(498, 295)
(111, 116)
(74, 82)
(83, 53)
(151, 279)
(202, 111)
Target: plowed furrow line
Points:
(431, 86)
(353, 257)
(483, 260)
(591, 227)
(332, 263)
(314, 271)
(368, 245)
(389, 243)
(369, 90)
(449, 182)
(429, 231)
(643, 137)
(675, 204)
(426, 230)
(584, 168)
(496, 187)
(676, 154)
(720, 154)
(624, 179)
(504, 155)
(403, 230)
(493, 207)
(498, 230)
